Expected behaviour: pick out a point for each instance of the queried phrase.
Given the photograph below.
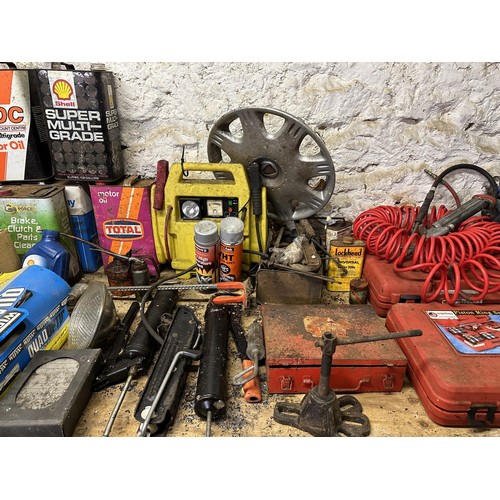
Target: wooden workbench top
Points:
(391, 414)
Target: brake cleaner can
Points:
(80, 117)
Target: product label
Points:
(120, 229)
(82, 124)
(206, 263)
(62, 89)
(230, 262)
(345, 264)
(8, 318)
(25, 218)
(470, 332)
(15, 120)
(123, 218)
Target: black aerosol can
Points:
(80, 119)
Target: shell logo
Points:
(62, 89)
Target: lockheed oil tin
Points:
(24, 152)
(81, 118)
(345, 263)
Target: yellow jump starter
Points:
(192, 193)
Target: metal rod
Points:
(132, 288)
(326, 364)
(209, 423)
(382, 336)
(118, 404)
(143, 427)
(304, 273)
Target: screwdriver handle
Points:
(255, 342)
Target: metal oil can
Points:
(81, 120)
(124, 221)
(27, 209)
(346, 258)
(24, 153)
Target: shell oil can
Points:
(24, 152)
(81, 121)
(346, 258)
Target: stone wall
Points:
(383, 123)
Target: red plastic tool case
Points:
(387, 287)
(455, 365)
(293, 359)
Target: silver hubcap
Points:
(295, 165)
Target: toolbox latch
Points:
(286, 383)
(414, 299)
(475, 408)
(388, 381)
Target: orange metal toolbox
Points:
(293, 359)
(455, 365)
(387, 287)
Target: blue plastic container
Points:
(50, 253)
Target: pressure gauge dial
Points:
(215, 208)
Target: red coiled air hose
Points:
(470, 255)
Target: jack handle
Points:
(230, 298)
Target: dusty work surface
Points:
(391, 414)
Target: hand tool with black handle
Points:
(251, 351)
(141, 346)
(139, 352)
(120, 340)
(161, 396)
(211, 389)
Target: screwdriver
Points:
(138, 353)
(211, 390)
